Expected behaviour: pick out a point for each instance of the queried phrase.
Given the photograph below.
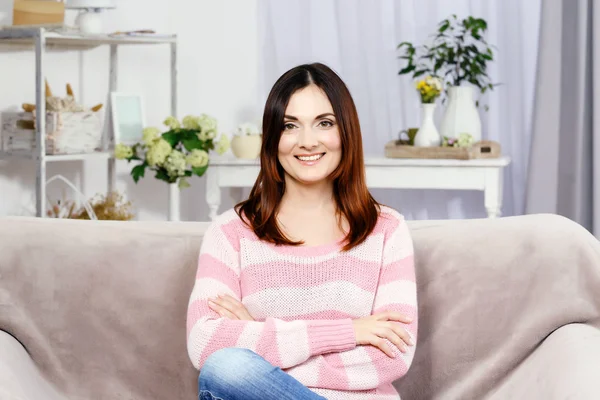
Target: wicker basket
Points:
(482, 149)
(66, 132)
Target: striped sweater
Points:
(303, 300)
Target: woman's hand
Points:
(374, 329)
(228, 307)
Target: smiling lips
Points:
(309, 159)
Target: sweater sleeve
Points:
(367, 367)
(283, 343)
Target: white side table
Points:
(382, 173)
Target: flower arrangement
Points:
(463, 140)
(459, 53)
(429, 89)
(178, 153)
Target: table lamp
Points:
(89, 20)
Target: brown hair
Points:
(353, 200)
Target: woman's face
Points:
(310, 148)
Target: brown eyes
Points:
(323, 124)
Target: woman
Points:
(305, 290)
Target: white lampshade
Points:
(87, 4)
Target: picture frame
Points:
(128, 117)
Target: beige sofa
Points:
(509, 309)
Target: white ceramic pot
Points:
(427, 135)
(461, 115)
(247, 146)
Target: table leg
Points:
(213, 192)
(493, 192)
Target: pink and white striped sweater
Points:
(303, 300)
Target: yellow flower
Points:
(158, 152)
(172, 122)
(222, 145)
(149, 135)
(197, 158)
(123, 152)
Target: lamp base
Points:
(89, 22)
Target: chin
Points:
(310, 178)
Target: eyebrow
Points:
(291, 117)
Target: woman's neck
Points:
(300, 197)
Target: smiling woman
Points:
(306, 290)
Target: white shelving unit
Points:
(40, 40)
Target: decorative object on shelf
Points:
(463, 140)
(427, 135)
(89, 20)
(177, 154)
(460, 54)
(429, 90)
(247, 141)
(38, 12)
(70, 127)
(127, 116)
(407, 136)
(477, 150)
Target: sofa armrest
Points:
(564, 366)
(19, 376)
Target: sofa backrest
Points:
(101, 306)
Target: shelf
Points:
(100, 155)
(26, 36)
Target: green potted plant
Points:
(458, 54)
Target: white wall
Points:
(218, 58)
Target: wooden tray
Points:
(482, 149)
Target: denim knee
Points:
(231, 366)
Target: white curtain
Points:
(358, 39)
(565, 159)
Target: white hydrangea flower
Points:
(206, 123)
(190, 122)
(122, 151)
(172, 122)
(175, 164)
(158, 152)
(197, 158)
(149, 135)
(222, 145)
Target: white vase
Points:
(461, 115)
(428, 135)
(246, 146)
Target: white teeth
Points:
(310, 158)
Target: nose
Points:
(307, 139)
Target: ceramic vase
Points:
(246, 146)
(461, 115)
(428, 135)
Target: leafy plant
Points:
(458, 53)
(178, 153)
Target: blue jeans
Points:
(241, 374)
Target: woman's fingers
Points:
(402, 333)
(393, 316)
(232, 306)
(381, 343)
(222, 311)
(392, 336)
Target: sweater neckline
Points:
(314, 250)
